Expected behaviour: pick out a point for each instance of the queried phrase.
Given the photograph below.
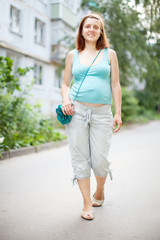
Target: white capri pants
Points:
(89, 136)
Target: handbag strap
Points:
(86, 74)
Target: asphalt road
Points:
(39, 202)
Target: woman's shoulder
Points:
(111, 54)
(111, 51)
(70, 55)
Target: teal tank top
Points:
(96, 87)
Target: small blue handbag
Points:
(64, 119)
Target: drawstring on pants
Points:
(110, 174)
(88, 116)
(74, 180)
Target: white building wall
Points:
(26, 52)
(24, 42)
(23, 47)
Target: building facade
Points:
(31, 33)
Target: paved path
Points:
(38, 201)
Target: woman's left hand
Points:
(117, 120)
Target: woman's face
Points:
(91, 29)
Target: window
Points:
(38, 74)
(57, 82)
(39, 31)
(16, 61)
(15, 19)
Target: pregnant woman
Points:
(94, 66)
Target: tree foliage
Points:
(150, 96)
(152, 14)
(131, 39)
(126, 35)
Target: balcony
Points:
(59, 11)
(63, 22)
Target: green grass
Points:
(142, 118)
(156, 116)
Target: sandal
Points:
(97, 203)
(89, 215)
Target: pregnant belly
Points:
(91, 104)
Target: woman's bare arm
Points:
(116, 89)
(67, 107)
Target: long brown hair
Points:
(102, 42)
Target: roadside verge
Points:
(27, 150)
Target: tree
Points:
(152, 14)
(126, 34)
(150, 96)
(131, 39)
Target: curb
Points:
(28, 150)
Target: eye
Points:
(96, 27)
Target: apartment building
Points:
(30, 33)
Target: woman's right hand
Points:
(68, 107)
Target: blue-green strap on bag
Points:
(64, 119)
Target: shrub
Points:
(21, 124)
(130, 107)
